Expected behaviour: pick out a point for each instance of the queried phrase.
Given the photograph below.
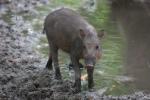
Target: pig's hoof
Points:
(92, 89)
(49, 67)
(58, 77)
(76, 90)
(80, 65)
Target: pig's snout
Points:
(90, 63)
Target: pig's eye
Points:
(97, 47)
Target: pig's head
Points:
(91, 46)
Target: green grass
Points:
(7, 17)
(68, 3)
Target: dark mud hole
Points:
(22, 73)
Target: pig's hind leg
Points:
(49, 62)
(54, 54)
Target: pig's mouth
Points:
(89, 66)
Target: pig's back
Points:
(62, 27)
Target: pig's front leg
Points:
(90, 78)
(77, 71)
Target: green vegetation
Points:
(68, 3)
(7, 18)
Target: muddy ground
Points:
(22, 73)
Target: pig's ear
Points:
(101, 33)
(82, 34)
